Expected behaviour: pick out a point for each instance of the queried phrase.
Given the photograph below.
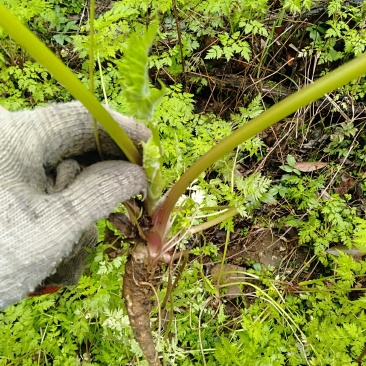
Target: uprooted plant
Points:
(154, 243)
(150, 222)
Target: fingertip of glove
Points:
(101, 187)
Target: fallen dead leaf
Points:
(309, 166)
(231, 276)
(357, 254)
(346, 184)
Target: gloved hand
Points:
(39, 227)
(69, 270)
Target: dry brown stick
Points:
(360, 357)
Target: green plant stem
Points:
(179, 41)
(41, 53)
(335, 79)
(227, 238)
(91, 48)
(270, 40)
(102, 80)
(91, 72)
(226, 215)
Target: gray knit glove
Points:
(70, 269)
(38, 229)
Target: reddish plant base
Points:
(43, 290)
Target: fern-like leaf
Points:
(141, 100)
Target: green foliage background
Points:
(319, 323)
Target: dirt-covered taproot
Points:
(138, 295)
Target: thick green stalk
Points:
(217, 220)
(335, 79)
(63, 75)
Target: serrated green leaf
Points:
(215, 52)
(141, 100)
(133, 70)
